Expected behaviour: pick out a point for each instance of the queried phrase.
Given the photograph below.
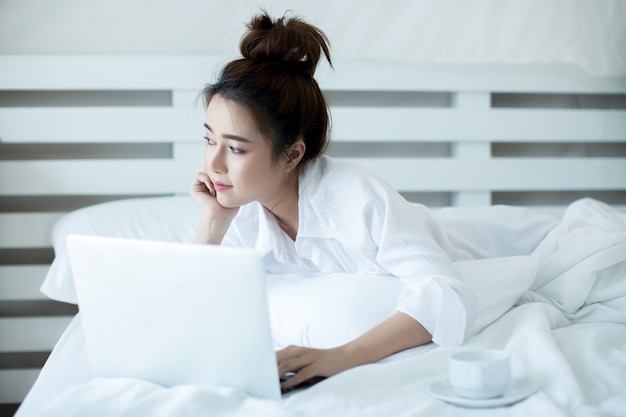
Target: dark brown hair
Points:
(274, 81)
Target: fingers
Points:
(303, 376)
(306, 363)
(202, 183)
(290, 359)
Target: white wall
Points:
(588, 33)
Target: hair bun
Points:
(285, 41)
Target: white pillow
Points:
(157, 218)
(329, 310)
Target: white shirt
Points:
(352, 221)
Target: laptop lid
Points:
(175, 313)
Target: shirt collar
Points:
(313, 207)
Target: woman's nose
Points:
(214, 159)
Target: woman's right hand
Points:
(214, 218)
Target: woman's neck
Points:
(285, 209)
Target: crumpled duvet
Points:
(582, 265)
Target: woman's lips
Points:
(219, 186)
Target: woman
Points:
(265, 185)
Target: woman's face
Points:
(238, 158)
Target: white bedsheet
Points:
(567, 333)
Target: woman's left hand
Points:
(397, 333)
(308, 363)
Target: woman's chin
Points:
(228, 202)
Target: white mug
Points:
(481, 373)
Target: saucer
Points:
(517, 390)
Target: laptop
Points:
(175, 313)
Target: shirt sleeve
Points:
(410, 244)
(434, 293)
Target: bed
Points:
(533, 151)
(559, 309)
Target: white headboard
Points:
(78, 130)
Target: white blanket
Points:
(567, 333)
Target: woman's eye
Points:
(236, 151)
(209, 141)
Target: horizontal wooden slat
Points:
(406, 124)
(20, 230)
(106, 72)
(99, 124)
(426, 174)
(393, 75)
(22, 282)
(15, 384)
(402, 124)
(31, 333)
(511, 174)
(74, 125)
(97, 177)
(149, 72)
(554, 125)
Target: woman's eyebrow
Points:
(230, 136)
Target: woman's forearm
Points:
(399, 332)
(210, 232)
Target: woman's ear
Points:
(295, 154)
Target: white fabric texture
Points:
(567, 334)
(585, 283)
(590, 34)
